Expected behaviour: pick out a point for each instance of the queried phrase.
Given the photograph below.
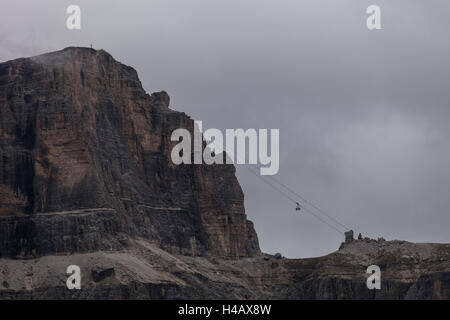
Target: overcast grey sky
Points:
(363, 115)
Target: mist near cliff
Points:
(363, 115)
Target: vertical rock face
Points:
(78, 132)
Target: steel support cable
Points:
(291, 199)
(309, 203)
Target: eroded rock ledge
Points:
(145, 271)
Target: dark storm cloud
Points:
(363, 115)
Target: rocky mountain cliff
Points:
(86, 179)
(78, 132)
